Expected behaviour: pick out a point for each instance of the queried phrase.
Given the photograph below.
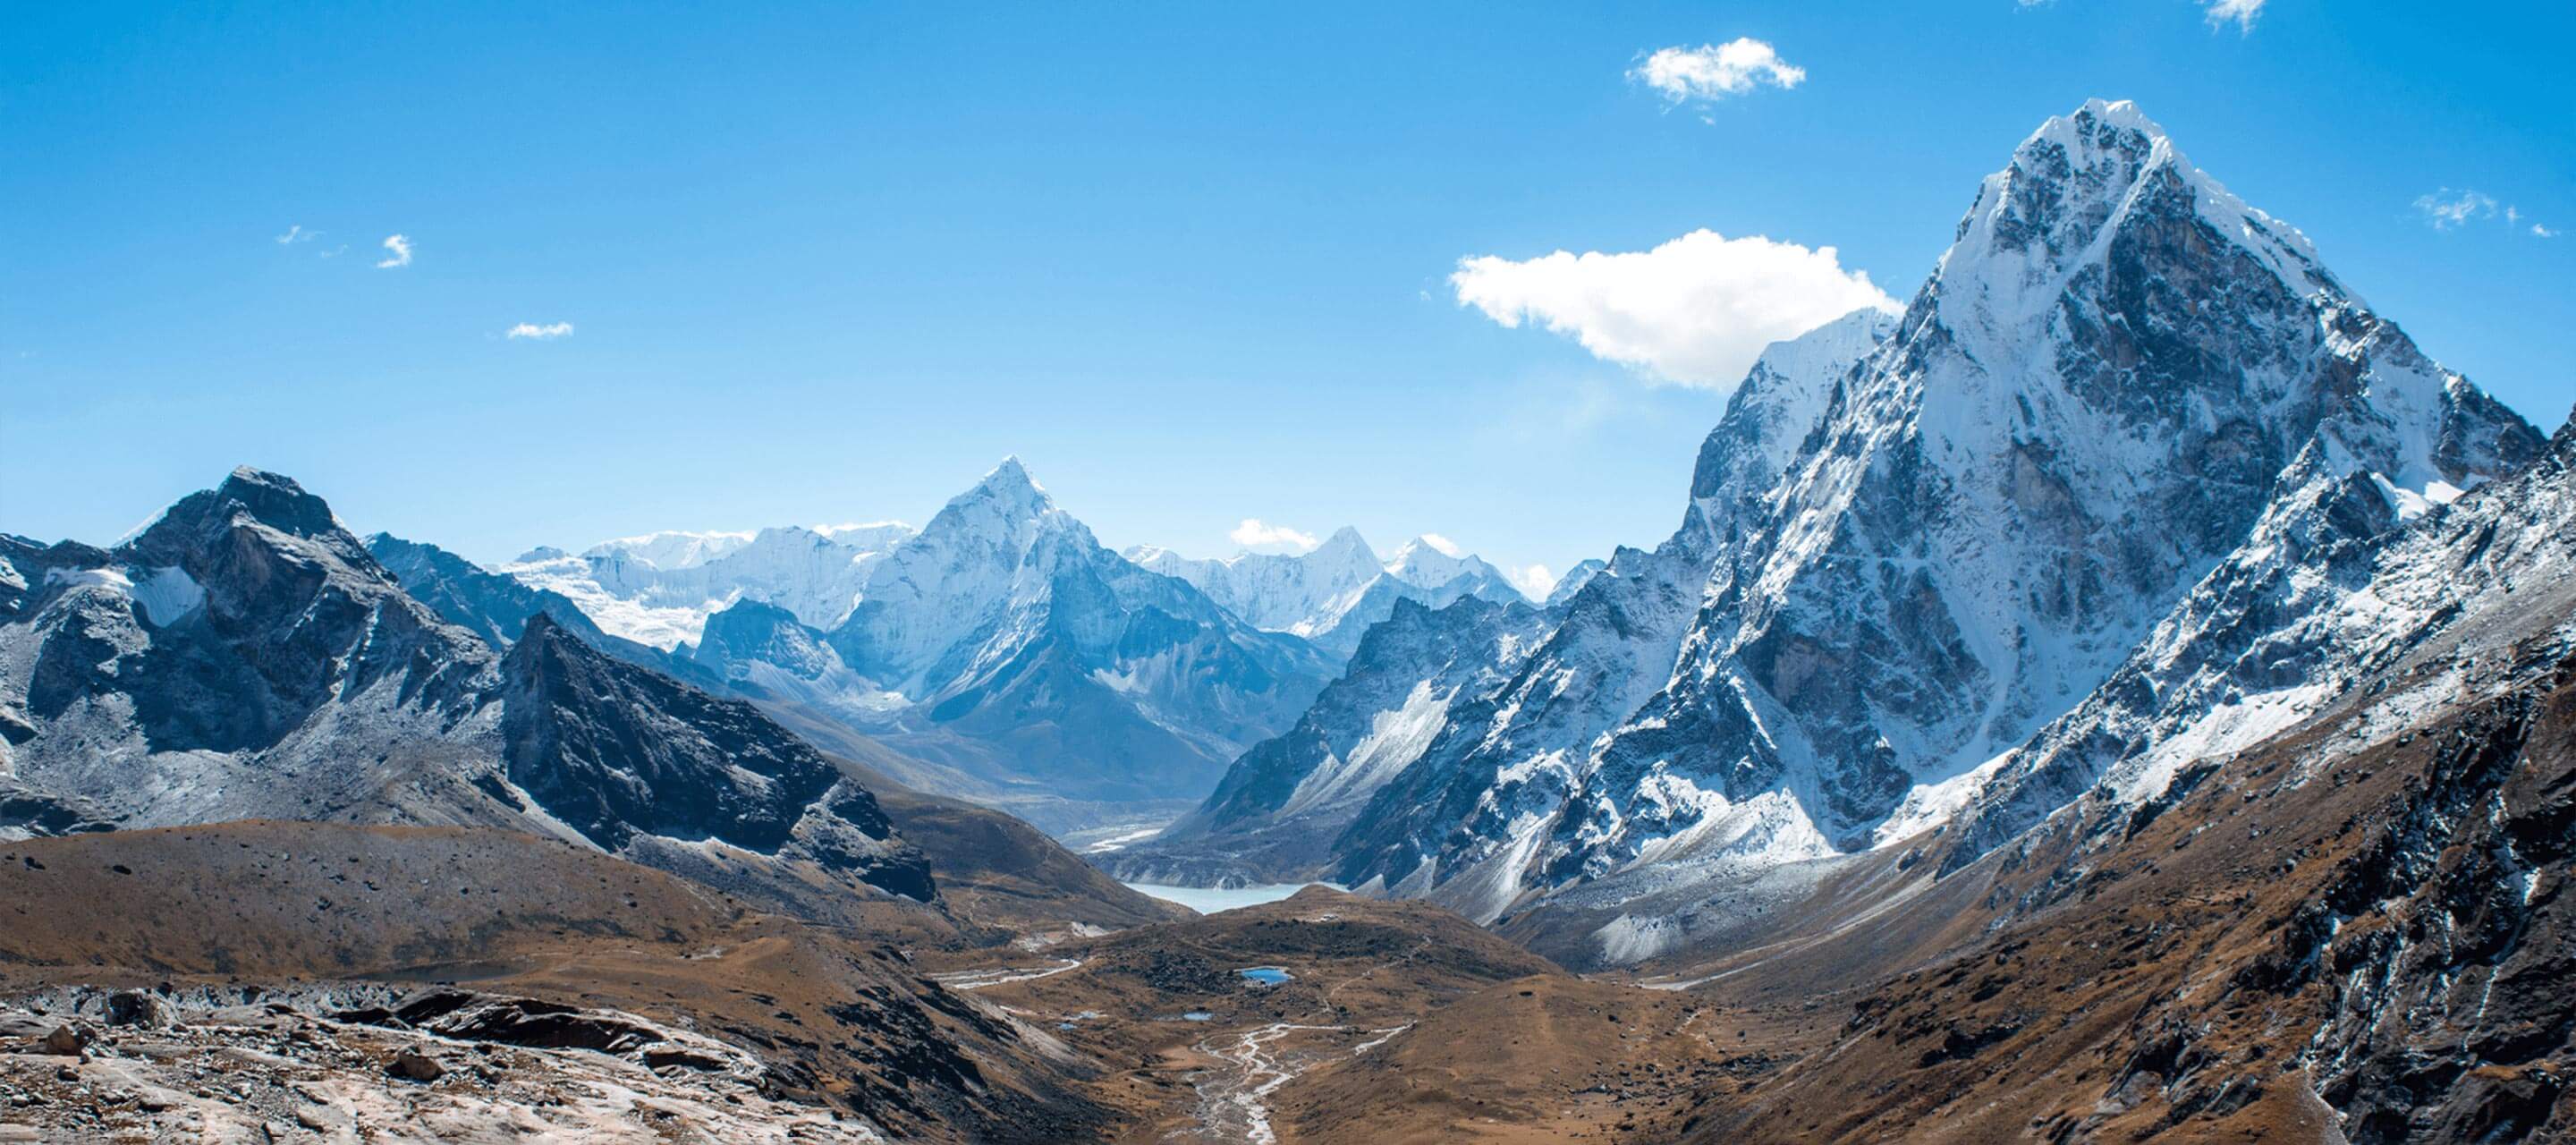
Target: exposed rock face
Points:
(246, 657)
(617, 753)
(492, 607)
(2344, 577)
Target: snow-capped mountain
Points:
(659, 588)
(1003, 641)
(1574, 580)
(1894, 574)
(1334, 593)
(245, 657)
(1561, 678)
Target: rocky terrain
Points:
(454, 942)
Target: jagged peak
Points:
(275, 500)
(1008, 483)
(269, 499)
(1432, 542)
(2071, 185)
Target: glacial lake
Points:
(1210, 900)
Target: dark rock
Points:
(412, 1065)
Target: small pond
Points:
(1264, 975)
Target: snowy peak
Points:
(1009, 483)
(669, 549)
(1574, 580)
(1431, 561)
(1007, 509)
(2071, 188)
(1781, 399)
(1332, 593)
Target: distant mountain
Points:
(1000, 651)
(1574, 580)
(659, 589)
(1278, 810)
(1005, 641)
(1912, 547)
(1332, 594)
(497, 607)
(246, 657)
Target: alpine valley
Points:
(2127, 694)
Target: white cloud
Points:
(2243, 12)
(2446, 208)
(1534, 581)
(297, 234)
(1253, 533)
(1710, 72)
(1697, 310)
(1445, 545)
(540, 333)
(401, 256)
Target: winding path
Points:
(981, 979)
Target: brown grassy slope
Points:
(2297, 922)
(996, 871)
(840, 1014)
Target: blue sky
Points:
(1191, 263)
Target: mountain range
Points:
(2130, 694)
(246, 657)
(1007, 656)
(1331, 594)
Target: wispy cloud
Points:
(1715, 71)
(1255, 533)
(401, 256)
(1694, 311)
(2242, 12)
(546, 332)
(297, 234)
(2447, 209)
